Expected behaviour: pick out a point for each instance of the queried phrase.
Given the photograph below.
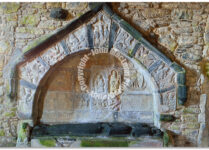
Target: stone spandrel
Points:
(145, 56)
(124, 41)
(33, 71)
(54, 55)
(25, 102)
(169, 99)
(101, 30)
(164, 76)
(77, 40)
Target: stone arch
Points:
(100, 27)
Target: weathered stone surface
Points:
(38, 5)
(78, 6)
(184, 29)
(191, 110)
(191, 133)
(54, 55)
(78, 40)
(152, 13)
(29, 30)
(9, 7)
(53, 5)
(32, 20)
(101, 31)
(183, 14)
(168, 42)
(33, 72)
(189, 118)
(191, 125)
(1, 62)
(187, 40)
(124, 41)
(175, 126)
(5, 47)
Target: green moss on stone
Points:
(48, 142)
(207, 69)
(165, 139)
(10, 114)
(2, 133)
(130, 52)
(30, 20)
(22, 132)
(80, 14)
(4, 46)
(35, 43)
(103, 143)
(12, 17)
(9, 7)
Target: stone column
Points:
(203, 131)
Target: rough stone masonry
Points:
(179, 30)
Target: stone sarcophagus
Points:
(95, 69)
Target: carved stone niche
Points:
(47, 90)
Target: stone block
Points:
(9, 7)
(53, 5)
(168, 42)
(183, 14)
(136, 116)
(1, 62)
(78, 40)
(54, 55)
(187, 40)
(137, 103)
(192, 125)
(182, 94)
(5, 47)
(202, 117)
(203, 99)
(38, 5)
(191, 110)
(181, 78)
(101, 31)
(175, 126)
(192, 133)
(189, 118)
(49, 24)
(124, 41)
(32, 20)
(153, 13)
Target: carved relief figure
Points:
(99, 84)
(114, 83)
(138, 82)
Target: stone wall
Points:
(179, 30)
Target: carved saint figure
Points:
(138, 82)
(99, 83)
(114, 83)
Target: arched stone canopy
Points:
(98, 28)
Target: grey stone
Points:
(181, 78)
(182, 94)
(59, 13)
(183, 14)
(27, 84)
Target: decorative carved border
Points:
(58, 42)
